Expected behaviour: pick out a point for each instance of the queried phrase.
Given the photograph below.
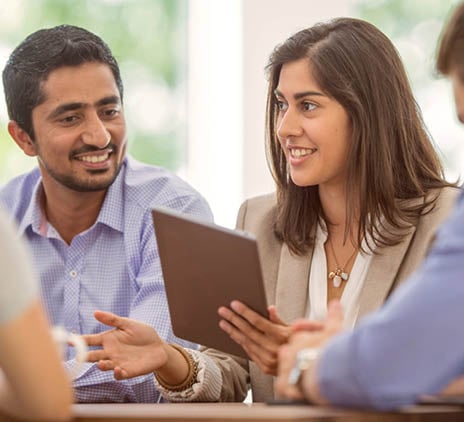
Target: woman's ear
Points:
(22, 139)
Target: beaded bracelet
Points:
(192, 372)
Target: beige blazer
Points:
(286, 279)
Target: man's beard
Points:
(81, 184)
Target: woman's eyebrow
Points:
(299, 95)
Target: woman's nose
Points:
(288, 125)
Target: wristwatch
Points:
(304, 359)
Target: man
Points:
(85, 210)
(415, 344)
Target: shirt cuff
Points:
(207, 387)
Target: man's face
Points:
(457, 80)
(80, 131)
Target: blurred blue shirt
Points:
(415, 344)
(112, 266)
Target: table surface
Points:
(235, 412)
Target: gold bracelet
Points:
(191, 376)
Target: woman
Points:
(360, 191)
(35, 385)
(436, 289)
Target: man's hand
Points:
(131, 349)
(300, 340)
(259, 337)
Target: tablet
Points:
(206, 266)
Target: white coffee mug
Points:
(62, 338)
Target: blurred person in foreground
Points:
(33, 382)
(414, 345)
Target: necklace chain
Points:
(339, 274)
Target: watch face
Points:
(303, 360)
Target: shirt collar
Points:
(321, 232)
(33, 214)
(321, 237)
(111, 213)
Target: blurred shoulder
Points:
(445, 200)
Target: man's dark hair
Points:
(41, 53)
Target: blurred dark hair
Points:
(451, 45)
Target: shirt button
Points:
(73, 273)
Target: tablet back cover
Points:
(206, 266)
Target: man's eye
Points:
(69, 119)
(111, 112)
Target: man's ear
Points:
(22, 139)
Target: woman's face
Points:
(313, 129)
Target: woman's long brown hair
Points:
(392, 158)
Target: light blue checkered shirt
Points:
(113, 266)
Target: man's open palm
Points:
(131, 349)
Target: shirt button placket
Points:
(71, 293)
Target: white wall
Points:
(214, 104)
(267, 23)
(229, 44)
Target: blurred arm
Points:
(35, 385)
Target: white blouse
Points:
(317, 301)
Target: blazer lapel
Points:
(382, 274)
(292, 285)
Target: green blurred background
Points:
(149, 39)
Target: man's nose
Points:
(96, 133)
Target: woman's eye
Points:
(281, 105)
(307, 106)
